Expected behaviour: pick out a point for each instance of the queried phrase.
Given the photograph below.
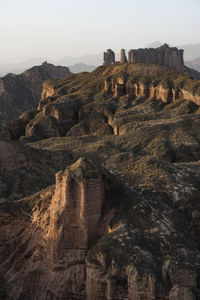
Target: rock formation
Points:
(22, 92)
(66, 230)
(120, 86)
(108, 58)
(164, 55)
(100, 198)
(55, 72)
(123, 58)
(76, 210)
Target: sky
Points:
(57, 28)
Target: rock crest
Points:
(164, 55)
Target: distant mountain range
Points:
(194, 64)
(79, 67)
(85, 63)
(89, 62)
(191, 51)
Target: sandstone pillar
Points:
(108, 58)
(123, 58)
(131, 56)
(75, 210)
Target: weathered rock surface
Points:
(52, 245)
(123, 58)
(164, 55)
(108, 58)
(71, 107)
(76, 209)
(55, 72)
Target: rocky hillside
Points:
(100, 196)
(22, 92)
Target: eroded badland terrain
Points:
(100, 188)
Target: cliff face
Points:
(108, 57)
(74, 215)
(164, 55)
(52, 245)
(118, 88)
(22, 92)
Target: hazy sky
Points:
(56, 28)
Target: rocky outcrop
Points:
(22, 92)
(119, 87)
(109, 58)
(55, 241)
(187, 95)
(123, 58)
(55, 72)
(164, 55)
(75, 210)
(47, 92)
(66, 108)
(43, 127)
(14, 129)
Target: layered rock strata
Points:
(75, 210)
(68, 107)
(56, 239)
(164, 55)
(119, 87)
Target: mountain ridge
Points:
(192, 51)
(22, 92)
